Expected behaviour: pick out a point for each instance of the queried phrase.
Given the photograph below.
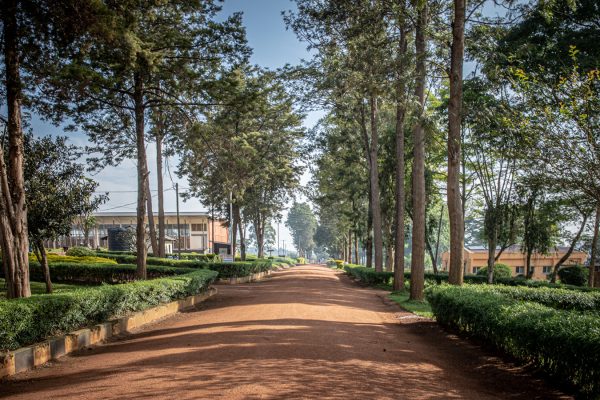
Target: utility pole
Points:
(284, 252)
(277, 237)
(178, 226)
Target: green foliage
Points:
(562, 299)
(100, 273)
(80, 251)
(125, 258)
(26, 321)
(301, 260)
(500, 271)
(564, 344)
(302, 223)
(240, 269)
(575, 275)
(368, 275)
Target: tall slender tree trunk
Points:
(238, 217)
(369, 239)
(594, 252)
(491, 256)
(356, 259)
(400, 169)
(142, 173)
(529, 272)
(417, 274)
(350, 246)
(14, 238)
(151, 225)
(455, 210)
(374, 174)
(566, 256)
(259, 229)
(42, 258)
(161, 200)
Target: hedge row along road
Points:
(308, 332)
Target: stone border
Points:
(29, 357)
(245, 279)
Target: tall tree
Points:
(57, 193)
(418, 180)
(161, 54)
(31, 31)
(455, 208)
(302, 223)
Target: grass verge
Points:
(420, 308)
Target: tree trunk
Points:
(13, 209)
(429, 248)
(233, 233)
(400, 171)
(566, 256)
(260, 237)
(389, 258)
(455, 210)
(238, 217)
(491, 259)
(417, 274)
(356, 260)
(142, 176)
(369, 240)
(529, 272)
(374, 175)
(594, 251)
(161, 202)
(40, 254)
(151, 226)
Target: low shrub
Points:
(575, 275)
(200, 257)
(565, 344)
(301, 260)
(169, 262)
(562, 299)
(54, 258)
(240, 269)
(80, 251)
(500, 271)
(99, 273)
(30, 320)
(368, 275)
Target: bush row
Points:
(240, 269)
(562, 299)
(26, 321)
(99, 273)
(53, 258)
(169, 262)
(565, 344)
(369, 275)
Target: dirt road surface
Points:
(307, 332)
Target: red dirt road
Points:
(308, 332)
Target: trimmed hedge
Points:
(561, 299)
(239, 269)
(169, 262)
(565, 344)
(54, 258)
(575, 275)
(99, 273)
(369, 275)
(30, 320)
(80, 251)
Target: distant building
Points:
(198, 231)
(475, 258)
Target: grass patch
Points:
(40, 288)
(421, 308)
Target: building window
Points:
(476, 269)
(547, 269)
(520, 270)
(199, 227)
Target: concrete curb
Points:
(29, 357)
(245, 279)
